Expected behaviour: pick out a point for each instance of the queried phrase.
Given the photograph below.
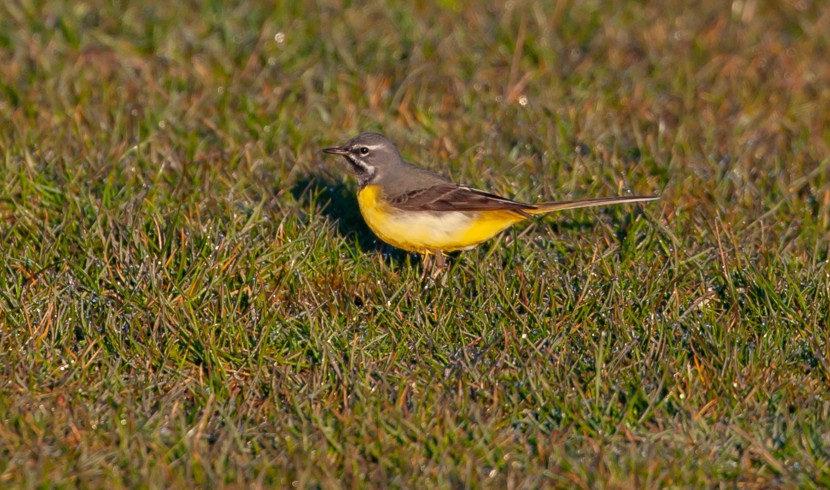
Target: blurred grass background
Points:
(188, 296)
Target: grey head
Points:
(369, 155)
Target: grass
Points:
(188, 296)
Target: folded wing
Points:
(454, 197)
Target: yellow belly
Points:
(425, 231)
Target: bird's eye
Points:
(364, 151)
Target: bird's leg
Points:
(428, 265)
(440, 264)
(434, 264)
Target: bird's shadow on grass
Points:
(338, 202)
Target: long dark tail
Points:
(548, 207)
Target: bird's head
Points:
(368, 154)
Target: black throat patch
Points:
(363, 172)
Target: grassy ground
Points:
(189, 298)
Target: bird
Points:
(417, 210)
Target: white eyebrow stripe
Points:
(372, 147)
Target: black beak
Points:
(337, 150)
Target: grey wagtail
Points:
(414, 209)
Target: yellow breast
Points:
(424, 231)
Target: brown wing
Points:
(454, 197)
